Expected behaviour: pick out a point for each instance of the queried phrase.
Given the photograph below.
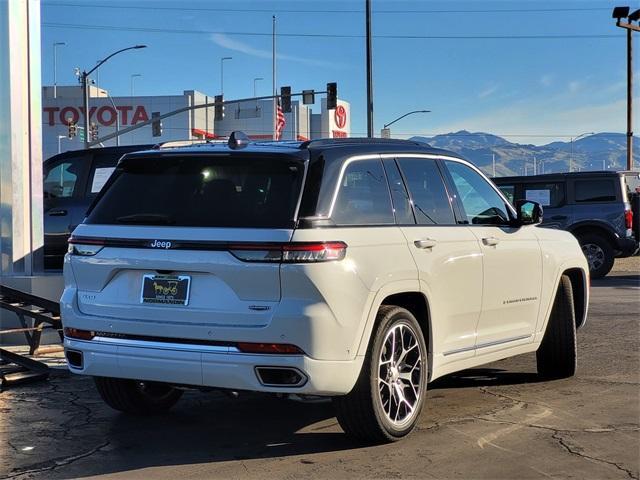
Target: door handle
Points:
(490, 241)
(57, 213)
(425, 243)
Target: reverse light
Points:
(301, 252)
(87, 248)
(78, 334)
(277, 348)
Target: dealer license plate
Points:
(165, 289)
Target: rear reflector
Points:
(78, 334)
(290, 252)
(273, 348)
(628, 218)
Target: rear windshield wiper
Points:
(147, 218)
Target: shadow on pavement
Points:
(213, 428)
(617, 281)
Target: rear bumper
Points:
(627, 246)
(197, 365)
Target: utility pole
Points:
(273, 73)
(494, 164)
(133, 77)
(369, 72)
(619, 13)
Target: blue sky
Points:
(533, 90)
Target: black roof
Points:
(116, 151)
(558, 176)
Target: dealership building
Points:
(110, 114)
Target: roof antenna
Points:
(238, 140)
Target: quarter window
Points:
(363, 197)
(596, 190)
(430, 200)
(482, 204)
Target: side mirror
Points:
(529, 213)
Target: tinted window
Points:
(546, 194)
(363, 197)
(399, 195)
(595, 190)
(61, 180)
(482, 204)
(508, 191)
(202, 192)
(102, 168)
(430, 199)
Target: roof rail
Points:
(359, 141)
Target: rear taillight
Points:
(301, 252)
(628, 218)
(85, 247)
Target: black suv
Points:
(601, 209)
(71, 182)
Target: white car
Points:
(358, 269)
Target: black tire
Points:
(601, 252)
(557, 356)
(361, 412)
(136, 397)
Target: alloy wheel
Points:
(400, 374)
(594, 254)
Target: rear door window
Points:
(363, 196)
(399, 194)
(549, 195)
(595, 190)
(64, 179)
(238, 191)
(101, 169)
(430, 200)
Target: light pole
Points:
(619, 13)
(571, 155)
(255, 80)
(133, 77)
(222, 74)
(85, 89)
(60, 137)
(387, 133)
(55, 67)
(369, 70)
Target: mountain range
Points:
(594, 152)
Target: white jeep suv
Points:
(358, 269)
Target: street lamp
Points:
(386, 133)
(619, 13)
(85, 89)
(133, 77)
(255, 80)
(60, 137)
(571, 155)
(55, 67)
(222, 73)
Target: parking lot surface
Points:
(499, 421)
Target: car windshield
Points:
(211, 191)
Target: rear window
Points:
(238, 191)
(632, 184)
(595, 190)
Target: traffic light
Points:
(93, 132)
(332, 95)
(72, 130)
(219, 108)
(285, 99)
(156, 125)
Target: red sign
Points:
(340, 116)
(105, 115)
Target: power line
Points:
(326, 35)
(331, 11)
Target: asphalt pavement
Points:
(495, 422)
